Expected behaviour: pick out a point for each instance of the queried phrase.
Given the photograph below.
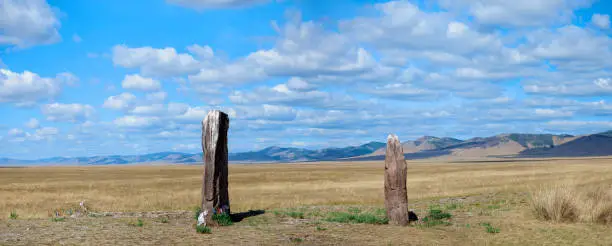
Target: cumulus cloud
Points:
(283, 95)
(43, 133)
(155, 62)
(137, 82)
(264, 112)
(216, 4)
(26, 23)
(419, 30)
(27, 88)
(32, 123)
(131, 121)
(68, 112)
(600, 20)
(518, 13)
(120, 102)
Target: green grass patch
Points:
(362, 218)
(296, 214)
(296, 240)
(13, 215)
(453, 206)
(223, 219)
(164, 220)
(196, 212)
(436, 217)
(203, 229)
(489, 228)
(319, 228)
(58, 219)
(139, 223)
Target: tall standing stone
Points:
(215, 195)
(396, 195)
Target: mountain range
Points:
(513, 145)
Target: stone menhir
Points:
(396, 195)
(215, 195)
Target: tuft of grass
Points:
(436, 217)
(571, 204)
(57, 219)
(203, 229)
(294, 214)
(223, 219)
(453, 206)
(164, 220)
(13, 215)
(296, 240)
(489, 228)
(438, 214)
(139, 223)
(362, 218)
(319, 228)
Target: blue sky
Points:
(83, 78)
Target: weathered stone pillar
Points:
(215, 195)
(396, 195)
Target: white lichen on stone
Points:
(212, 117)
(392, 137)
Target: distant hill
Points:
(270, 154)
(591, 145)
(499, 146)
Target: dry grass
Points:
(33, 192)
(566, 203)
(492, 194)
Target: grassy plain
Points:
(479, 195)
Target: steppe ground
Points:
(488, 202)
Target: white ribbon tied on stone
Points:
(202, 218)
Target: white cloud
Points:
(160, 110)
(233, 73)
(26, 23)
(283, 95)
(131, 121)
(518, 13)
(597, 87)
(216, 4)
(571, 44)
(600, 20)
(159, 96)
(68, 112)
(306, 49)
(403, 25)
(137, 82)
(33, 123)
(44, 133)
(402, 91)
(155, 62)
(120, 102)
(28, 88)
(202, 52)
(265, 112)
(15, 132)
